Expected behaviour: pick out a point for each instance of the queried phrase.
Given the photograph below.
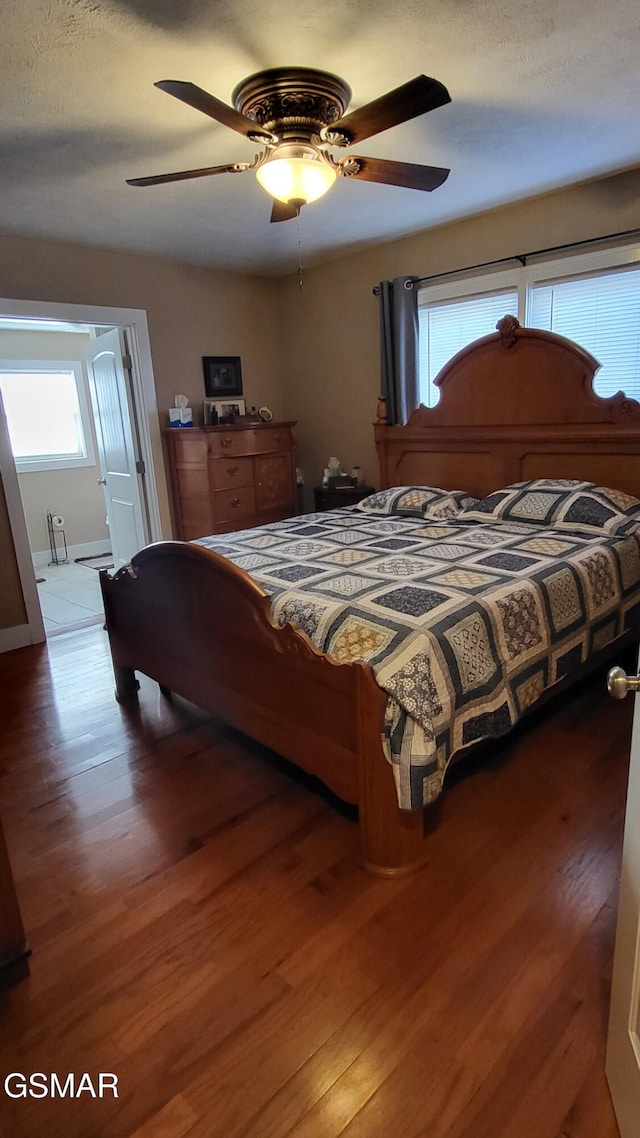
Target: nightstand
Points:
(326, 499)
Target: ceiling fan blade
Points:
(406, 174)
(414, 98)
(214, 108)
(184, 175)
(284, 211)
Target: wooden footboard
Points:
(196, 623)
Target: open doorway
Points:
(108, 503)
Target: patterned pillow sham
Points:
(560, 503)
(417, 502)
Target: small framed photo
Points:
(222, 411)
(222, 377)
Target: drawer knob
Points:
(232, 469)
(235, 502)
(225, 442)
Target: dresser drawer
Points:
(262, 440)
(231, 471)
(273, 439)
(189, 447)
(234, 505)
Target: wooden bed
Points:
(516, 405)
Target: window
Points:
(446, 327)
(602, 314)
(592, 298)
(47, 414)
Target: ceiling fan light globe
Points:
(296, 179)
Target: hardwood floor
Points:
(201, 928)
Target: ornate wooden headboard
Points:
(515, 405)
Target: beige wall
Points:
(311, 355)
(330, 337)
(72, 492)
(192, 312)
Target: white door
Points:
(122, 472)
(623, 1044)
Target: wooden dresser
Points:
(233, 477)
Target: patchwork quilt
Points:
(464, 623)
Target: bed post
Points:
(392, 839)
(127, 685)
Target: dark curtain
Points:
(399, 346)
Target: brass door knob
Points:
(619, 684)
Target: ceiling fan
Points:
(294, 114)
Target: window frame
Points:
(50, 462)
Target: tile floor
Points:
(69, 597)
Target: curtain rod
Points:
(522, 257)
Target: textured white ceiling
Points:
(544, 93)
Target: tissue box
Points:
(180, 417)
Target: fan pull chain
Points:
(300, 269)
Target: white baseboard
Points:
(86, 549)
(18, 637)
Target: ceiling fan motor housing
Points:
(292, 102)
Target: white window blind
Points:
(447, 327)
(602, 314)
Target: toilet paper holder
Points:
(57, 539)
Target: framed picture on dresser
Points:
(218, 411)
